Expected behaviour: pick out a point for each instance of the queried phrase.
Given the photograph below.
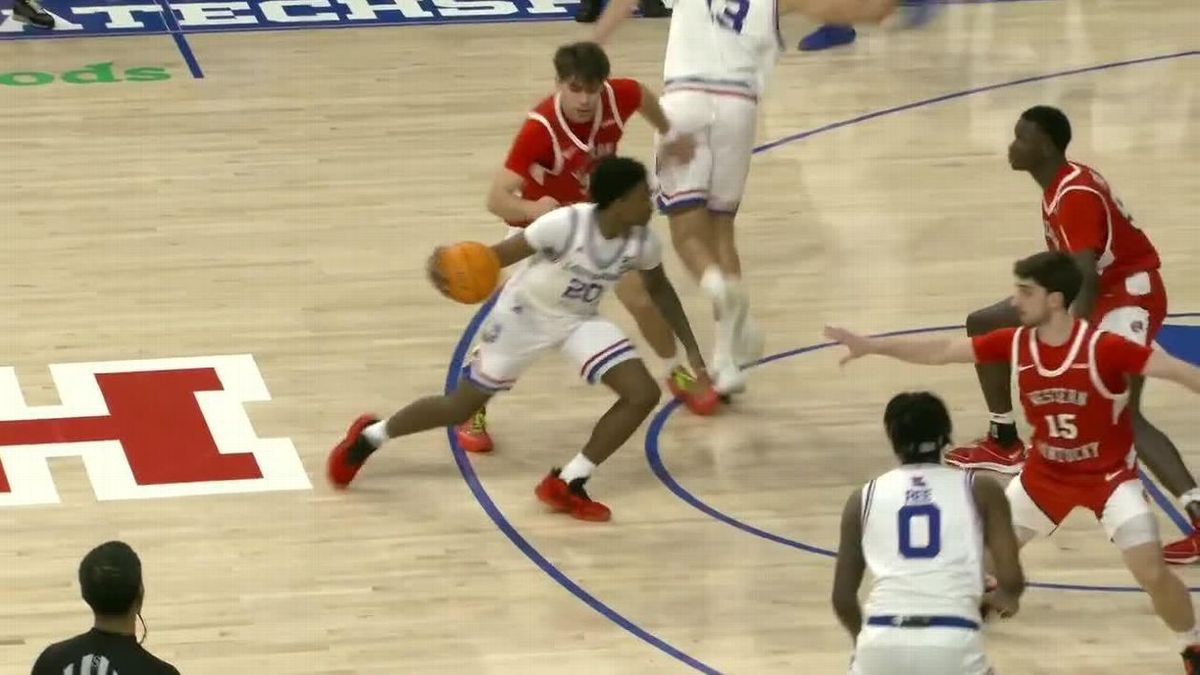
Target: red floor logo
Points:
(144, 429)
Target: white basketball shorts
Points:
(883, 650)
(724, 126)
(515, 335)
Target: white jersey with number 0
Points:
(575, 265)
(722, 44)
(923, 543)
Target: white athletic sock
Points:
(580, 467)
(376, 434)
(1002, 418)
(1189, 638)
(713, 283)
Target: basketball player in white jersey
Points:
(575, 256)
(719, 55)
(921, 529)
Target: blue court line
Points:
(456, 362)
(654, 459)
(968, 92)
(493, 511)
(185, 49)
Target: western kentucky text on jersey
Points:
(1080, 212)
(144, 429)
(1074, 395)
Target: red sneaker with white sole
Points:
(1183, 552)
(349, 455)
(472, 435)
(987, 454)
(684, 386)
(570, 498)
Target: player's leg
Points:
(604, 355)
(1038, 505)
(658, 333)
(1137, 315)
(683, 195)
(1001, 449)
(367, 434)
(1131, 526)
(732, 141)
(472, 435)
(510, 341)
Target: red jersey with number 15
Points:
(1075, 397)
(1080, 212)
(555, 155)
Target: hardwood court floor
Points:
(284, 206)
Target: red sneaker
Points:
(987, 453)
(570, 498)
(350, 453)
(472, 435)
(1183, 552)
(683, 386)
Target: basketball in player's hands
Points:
(466, 272)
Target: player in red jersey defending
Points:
(1122, 293)
(1072, 379)
(548, 166)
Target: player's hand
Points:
(679, 150)
(435, 276)
(542, 206)
(858, 345)
(1000, 603)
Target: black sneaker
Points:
(31, 12)
(588, 12)
(653, 9)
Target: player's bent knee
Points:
(634, 384)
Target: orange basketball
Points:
(471, 270)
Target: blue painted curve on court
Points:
(1184, 344)
(460, 353)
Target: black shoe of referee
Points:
(31, 12)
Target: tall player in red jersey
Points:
(1073, 382)
(1122, 293)
(548, 166)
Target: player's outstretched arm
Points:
(850, 567)
(932, 351)
(662, 292)
(841, 12)
(1163, 366)
(1001, 541)
(615, 12)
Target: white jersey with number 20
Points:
(575, 265)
